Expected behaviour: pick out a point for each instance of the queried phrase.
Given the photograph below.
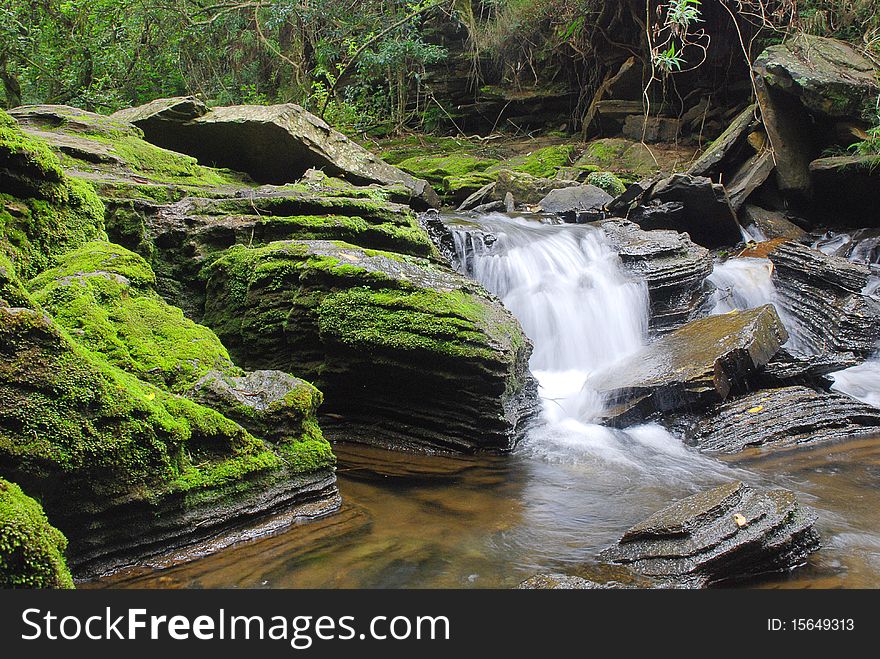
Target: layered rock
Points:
(770, 225)
(273, 144)
(126, 469)
(582, 203)
(408, 353)
(674, 268)
(825, 295)
(780, 418)
(696, 365)
(726, 534)
(31, 549)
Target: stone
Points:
(408, 353)
(700, 363)
(829, 77)
(727, 147)
(708, 216)
(674, 268)
(273, 144)
(582, 202)
(509, 203)
(771, 224)
(479, 197)
(811, 370)
(842, 184)
(753, 173)
(825, 294)
(782, 418)
(153, 115)
(727, 534)
(651, 129)
(525, 188)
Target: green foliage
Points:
(608, 182)
(542, 163)
(31, 550)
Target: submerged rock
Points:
(408, 353)
(31, 549)
(825, 294)
(726, 534)
(273, 144)
(778, 418)
(696, 365)
(674, 268)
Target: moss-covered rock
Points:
(31, 549)
(436, 168)
(125, 468)
(103, 296)
(608, 182)
(541, 163)
(43, 211)
(408, 353)
(633, 161)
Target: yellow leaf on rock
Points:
(756, 409)
(151, 396)
(740, 520)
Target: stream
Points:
(572, 486)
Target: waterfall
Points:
(568, 289)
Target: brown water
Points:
(416, 521)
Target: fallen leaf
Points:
(740, 520)
(756, 409)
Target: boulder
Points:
(651, 129)
(750, 176)
(698, 364)
(478, 198)
(707, 217)
(727, 534)
(584, 203)
(825, 296)
(770, 224)
(273, 144)
(31, 549)
(812, 370)
(155, 116)
(674, 268)
(828, 76)
(781, 418)
(409, 354)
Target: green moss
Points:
(542, 163)
(608, 182)
(436, 168)
(102, 295)
(31, 550)
(43, 212)
(424, 321)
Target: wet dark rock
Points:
(787, 369)
(439, 234)
(753, 173)
(694, 366)
(726, 534)
(655, 213)
(841, 184)
(479, 197)
(770, 224)
(825, 294)
(707, 216)
(674, 268)
(585, 203)
(273, 144)
(783, 417)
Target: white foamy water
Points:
(583, 314)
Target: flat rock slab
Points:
(829, 77)
(729, 533)
(696, 365)
(674, 268)
(273, 144)
(576, 201)
(783, 417)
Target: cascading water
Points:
(583, 314)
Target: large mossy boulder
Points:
(273, 144)
(127, 469)
(696, 365)
(31, 549)
(43, 211)
(408, 353)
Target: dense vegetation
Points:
(372, 58)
